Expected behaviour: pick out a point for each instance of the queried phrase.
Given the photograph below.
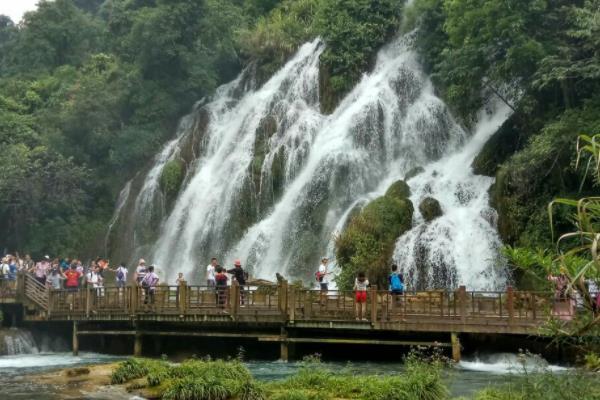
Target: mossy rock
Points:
(398, 190)
(367, 243)
(430, 209)
(171, 178)
(413, 172)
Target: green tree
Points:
(57, 33)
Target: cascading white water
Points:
(461, 247)
(17, 341)
(276, 178)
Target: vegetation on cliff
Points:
(367, 243)
(542, 59)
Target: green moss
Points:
(367, 243)
(430, 209)
(171, 178)
(398, 190)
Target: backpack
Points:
(319, 276)
(145, 282)
(395, 283)
(120, 274)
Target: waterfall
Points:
(461, 247)
(271, 179)
(16, 341)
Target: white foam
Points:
(506, 363)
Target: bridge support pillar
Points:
(455, 346)
(286, 349)
(75, 339)
(137, 345)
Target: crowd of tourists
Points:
(72, 274)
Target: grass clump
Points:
(192, 379)
(135, 368)
(573, 385)
(421, 381)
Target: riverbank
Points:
(150, 379)
(54, 376)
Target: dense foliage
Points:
(93, 87)
(90, 88)
(367, 243)
(542, 59)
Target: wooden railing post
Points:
(282, 296)
(51, 295)
(88, 301)
(234, 298)
(182, 297)
(291, 305)
(462, 303)
(373, 303)
(308, 302)
(510, 304)
(20, 292)
(134, 301)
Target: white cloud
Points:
(16, 8)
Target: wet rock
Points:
(414, 172)
(430, 209)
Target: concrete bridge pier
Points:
(137, 345)
(286, 349)
(455, 341)
(75, 339)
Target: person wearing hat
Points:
(140, 271)
(240, 276)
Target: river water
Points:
(17, 373)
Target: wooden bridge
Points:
(279, 313)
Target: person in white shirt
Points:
(140, 271)
(94, 279)
(361, 284)
(323, 275)
(210, 273)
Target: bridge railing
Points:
(460, 306)
(8, 290)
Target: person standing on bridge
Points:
(210, 273)
(73, 276)
(221, 285)
(240, 276)
(140, 271)
(149, 284)
(121, 276)
(361, 285)
(40, 270)
(322, 275)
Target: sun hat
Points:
(237, 263)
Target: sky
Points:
(16, 8)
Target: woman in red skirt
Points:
(360, 286)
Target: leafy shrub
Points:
(353, 31)
(279, 34)
(171, 178)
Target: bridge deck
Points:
(284, 307)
